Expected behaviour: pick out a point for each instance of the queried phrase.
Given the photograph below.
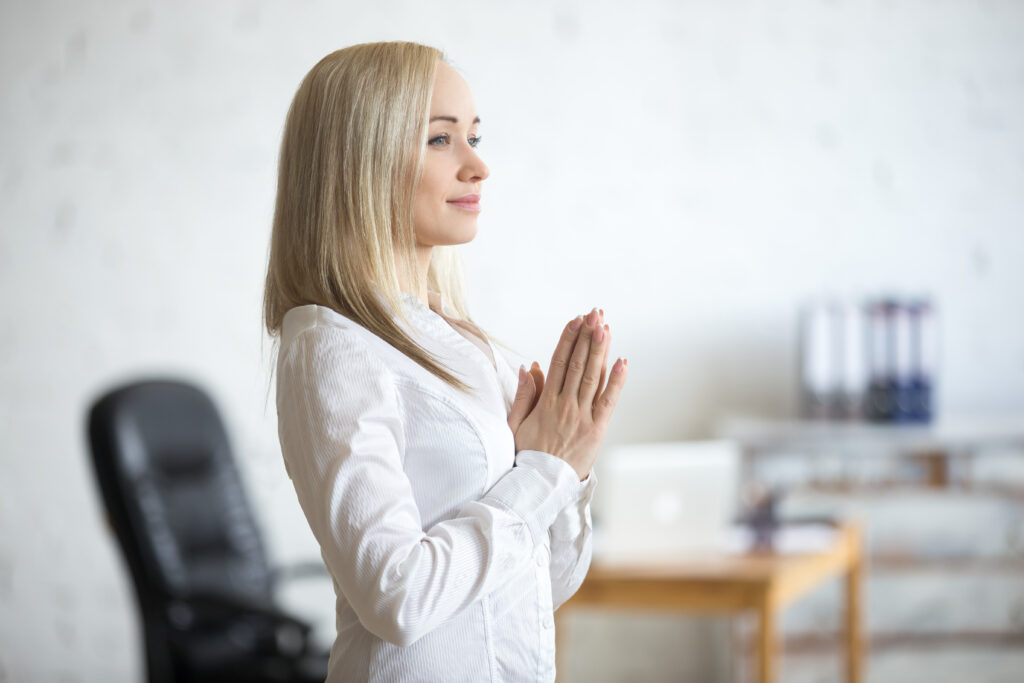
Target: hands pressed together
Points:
(567, 415)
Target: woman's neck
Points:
(419, 288)
(423, 273)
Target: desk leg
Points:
(854, 638)
(766, 639)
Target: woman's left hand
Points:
(530, 385)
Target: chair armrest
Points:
(310, 569)
(184, 610)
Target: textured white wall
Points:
(694, 168)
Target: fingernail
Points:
(599, 335)
(576, 322)
(592, 317)
(618, 366)
(535, 364)
(522, 375)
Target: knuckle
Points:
(576, 365)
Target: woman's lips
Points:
(471, 202)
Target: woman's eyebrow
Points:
(450, 118)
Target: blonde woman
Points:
(450, 497)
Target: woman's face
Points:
(447, 198)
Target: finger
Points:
(604, 364)
(578, 360)
(524, 400)
(538, 377)
(590, 383)
(610, 397)
(563, 352)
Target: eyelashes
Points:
(444, 139)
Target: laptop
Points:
(663, 500)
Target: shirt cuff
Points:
(536, 490)
(575, 516)
(586, 491)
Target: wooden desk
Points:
(764, 583)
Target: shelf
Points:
(942, 435)
(957, 565)
(1009, 492)
(882, 642)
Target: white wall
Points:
(696, 169)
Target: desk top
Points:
(719, 581)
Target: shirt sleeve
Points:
(340, 427)
(571, 538)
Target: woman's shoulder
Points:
(325, 331)
(301, 319)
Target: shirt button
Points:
(549, 621)
(539, 556)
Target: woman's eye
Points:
(444, 139)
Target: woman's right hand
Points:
(572, 413)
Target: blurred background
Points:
(700, 170)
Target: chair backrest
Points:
(175, 499)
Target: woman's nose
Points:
(474, 168)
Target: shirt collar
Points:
(412, 304)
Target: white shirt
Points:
(449, 552)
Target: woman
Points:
(450, 500)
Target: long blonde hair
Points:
(351, 156)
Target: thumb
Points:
(523, 402)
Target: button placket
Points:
(545, 606)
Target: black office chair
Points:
(176, 503)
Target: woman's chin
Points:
(463, 236)
(451, 234)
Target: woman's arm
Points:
(341, 432)
(571, 532)
(570, 535)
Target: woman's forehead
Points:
(452, 96)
